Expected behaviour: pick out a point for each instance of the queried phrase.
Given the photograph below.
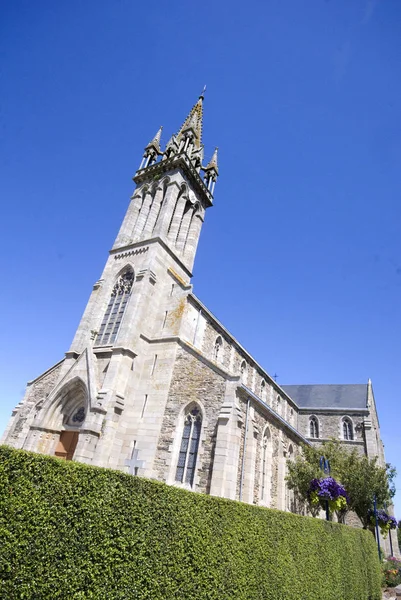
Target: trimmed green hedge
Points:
(73, 531)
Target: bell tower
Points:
(101, 403)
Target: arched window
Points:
(313, 427)
(263, 390)
(278, 405)
(189, 447)
(218, 345)
(348, 431)
(115, 309)
(265, 487)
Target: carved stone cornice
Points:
(132, 252)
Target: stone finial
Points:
(212, 164)
(155, 142)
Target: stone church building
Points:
(155, 385)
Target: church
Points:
(153, 384)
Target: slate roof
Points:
(329, 396)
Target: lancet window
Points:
(348, 431)
(185, 472)
(115, 309)
(313, 427)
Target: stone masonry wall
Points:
(192, 381)
(280, 441)
(36, 392)
(330, 425)
(231, 358)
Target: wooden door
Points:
(67, 443)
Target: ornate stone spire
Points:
(211, 172)
(212, 164)
(155, 142)
(152, 150)
(192, 126)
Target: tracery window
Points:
(217, 349)
(79, 415)
(348, 432)
(313, 427)
(189, 447)
(115, 309)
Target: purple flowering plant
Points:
(384, 521)
(328, 489)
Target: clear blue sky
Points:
(300, 256)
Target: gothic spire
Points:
(192, 126)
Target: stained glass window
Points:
(79, 415)
(115, 309)
(189, 447)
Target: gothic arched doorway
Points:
(72, 406)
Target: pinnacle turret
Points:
(211, 172)
(155, 142)
(212, 164)
(152, 150)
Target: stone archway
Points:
(70, 413)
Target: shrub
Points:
(73, 531)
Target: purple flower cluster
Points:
(383, 518)
(327, 488)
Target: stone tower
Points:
(99, 404)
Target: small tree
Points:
(361, 476)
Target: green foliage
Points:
(391, 569)
(361, 476)
(73, 531)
